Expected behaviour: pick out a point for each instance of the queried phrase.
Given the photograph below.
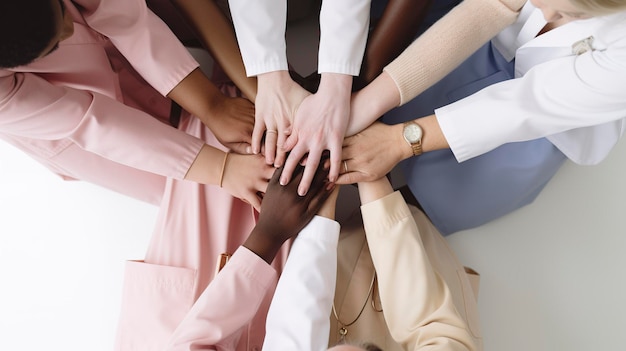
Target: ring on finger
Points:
(272, 131)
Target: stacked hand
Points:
(276, 103)
(304, 124)
(232, 122)
(284, 213)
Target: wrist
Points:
(336, 83)
(206, 167)
(383, 94)
(374, 190)
(274, 79)
(402, 148)
(264, 245)
(215, 108)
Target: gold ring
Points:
(271, 131)
(345, 165)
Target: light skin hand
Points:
(245, 176)
(371, 154)
(277, 100)
(319, 125)
(284, 213)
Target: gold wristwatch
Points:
(412, 133)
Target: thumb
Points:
(351, 178)
(240, 148)
(291, 141)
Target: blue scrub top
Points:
(458, 196)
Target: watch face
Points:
(412, 133)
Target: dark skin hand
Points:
(284, 213)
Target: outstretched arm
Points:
(373, 152)
(232, 299)
(405, 273)
(431, 56)
(298, 315)
(243, 176)
(321, 119)
(155, 52)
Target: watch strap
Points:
(417, 148)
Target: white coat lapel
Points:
(567, 40)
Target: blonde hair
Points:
(601, 7)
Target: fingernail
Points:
(283, 181)
(302, 191)
(248, 150)
(330, 186)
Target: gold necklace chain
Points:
(343, 331)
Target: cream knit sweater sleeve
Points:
(449, 42)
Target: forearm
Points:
(263, 245)
(405, 273)
(449, 42)
(197, 95)
(432, 139)
(374, 190)
(218, 36)
(368, 104)
(219, 316)
(338, 84)
(207, 167)
(381, 95)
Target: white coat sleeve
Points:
(553, 97)
(260, 29)
(298, 315)
(343, 34)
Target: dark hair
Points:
(26, 29)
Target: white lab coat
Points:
(260, 28)
(577, 101)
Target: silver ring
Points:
(345, 165)
(271, 131)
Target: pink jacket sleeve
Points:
(33, 108)
(146, 42)
(229, 302)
